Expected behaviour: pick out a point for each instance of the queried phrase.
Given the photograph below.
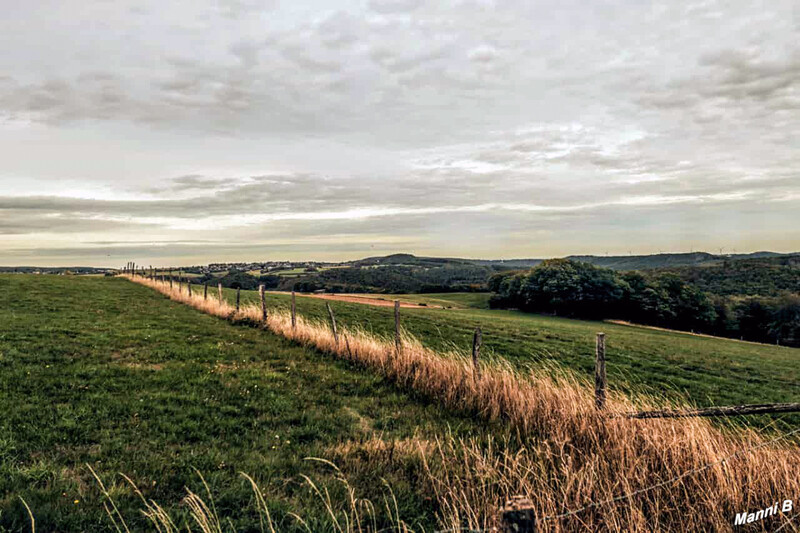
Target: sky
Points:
(177, 133)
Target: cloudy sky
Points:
(198, 131)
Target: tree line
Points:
(581, 290)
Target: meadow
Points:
(107, 373)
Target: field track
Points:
(367, 300)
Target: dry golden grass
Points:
(691, 475)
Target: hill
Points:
(761, 276)
(645, 262)
(398, 273)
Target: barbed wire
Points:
(788, 522)
(651, 487)
(669, 481)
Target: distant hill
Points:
(645, 262)
(763, 275)
(614, 262)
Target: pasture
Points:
(106, 373)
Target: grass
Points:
(176, 273)
(111, 374)
(455, 300)
(680, 475)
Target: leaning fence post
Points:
(205, 291)
(397, 343)
(333, 324)
(477, 340)
(294, 311)
(219, 289)
(600, 372)
(263, 303)
(517, 516)
(238, 292)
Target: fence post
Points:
(477, 340)
(333, 324)
(189, 286)
(294, 311)
(238, 292)
(219, 289)
(170, 280)
(205, 291)
(517, 516)
(600, 372)
(263, 303)
(397, 342)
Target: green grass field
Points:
(456, 300)
(104, 372)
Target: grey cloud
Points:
(429, 122)
(23, 222)
(394, 6)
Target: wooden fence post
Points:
(397, 342)
(170, 280)
(333, 324)
(219, 290)
(263, 303)
(294, 311)
(517, 516)
(238, 292)
(189, 286)
(600, 372)
(477, 340)
(205, 291)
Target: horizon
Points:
(227, 130)
(333, 261)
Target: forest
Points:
(660, 298)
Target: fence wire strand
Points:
(669, 481)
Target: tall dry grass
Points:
(685, 474)
(348, 515)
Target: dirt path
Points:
(368, 300)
